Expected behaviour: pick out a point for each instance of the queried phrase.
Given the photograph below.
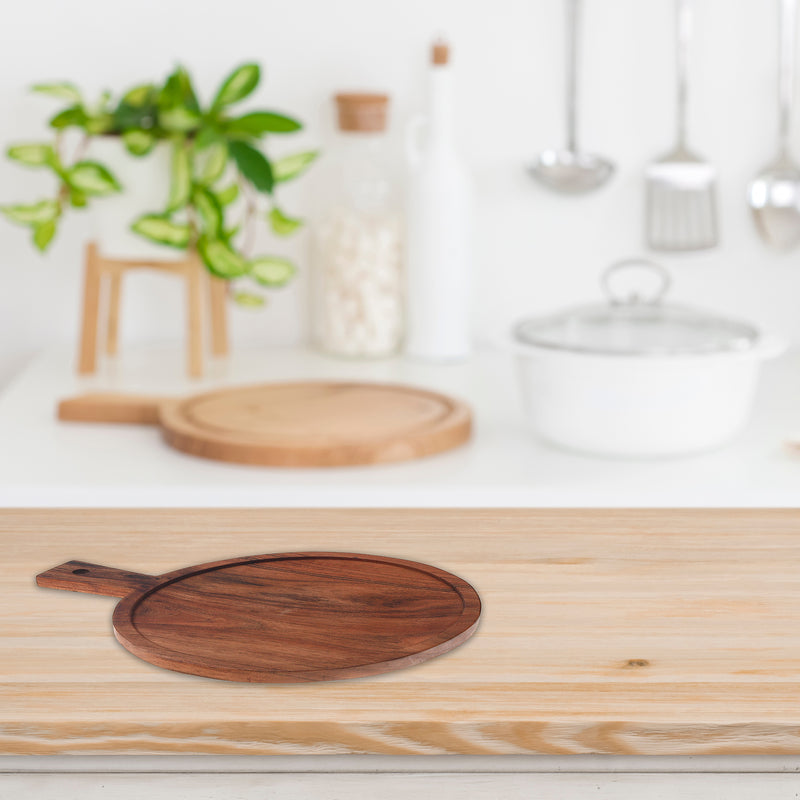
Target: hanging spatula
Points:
(681, 187)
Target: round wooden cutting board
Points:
(285, 617)
(304, 424)
(315, 424)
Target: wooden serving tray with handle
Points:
(304, 424)
(284, 617)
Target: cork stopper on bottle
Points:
(362, 111)
(440, 53)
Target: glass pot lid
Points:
(636, 321)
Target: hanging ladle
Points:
(569, 171)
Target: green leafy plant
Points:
(216, 158)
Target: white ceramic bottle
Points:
(438, 227)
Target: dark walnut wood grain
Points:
(82, 576)
(286, 617)
(303, 424)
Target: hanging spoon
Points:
(774, 195)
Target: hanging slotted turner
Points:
(681, 187)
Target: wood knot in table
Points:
(633, 663)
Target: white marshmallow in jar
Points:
(358, 241)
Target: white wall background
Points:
(535, 251)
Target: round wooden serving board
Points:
(285, 617)
(304, 424)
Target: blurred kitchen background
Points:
(535, 251)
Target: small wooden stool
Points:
(98, 269)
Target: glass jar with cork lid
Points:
(358, 293)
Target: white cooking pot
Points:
(637, 377)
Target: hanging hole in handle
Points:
(81, 571)
(635, 296)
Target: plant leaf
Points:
(229, 233)
(258, 123)
(161, 230)
(215, 163)
(74, 116)
(33, 155)
(227, 195)
(240, 83)
(272, 271)
(249, 300)
(180, 187)
(178, 109)
(62, 91)
(290, 167)
(43, 234)
(77, 198)
(210, 211)
(102, 103)
(138, 142)
(178, 91)
(221, 259)
(35, 214)
(178, 119)
(128, 117)
(281, 224)
(92, 179)
(208, 135)
(101, 123)
(253, 165)
(138, 109)
(139, 95)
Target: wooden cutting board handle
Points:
(81, 576)
(109, 407)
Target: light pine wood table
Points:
(618, 632)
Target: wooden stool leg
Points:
(194, 317)
(87, 362)
(112, 329)
(218, 289)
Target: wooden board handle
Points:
(81, 576)
(109, 407)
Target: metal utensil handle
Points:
(573, 14)
(788, 14)
(606, 281)
(683, 37)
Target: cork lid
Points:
(440, 53)
(362, 112)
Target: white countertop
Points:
(46, 463)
